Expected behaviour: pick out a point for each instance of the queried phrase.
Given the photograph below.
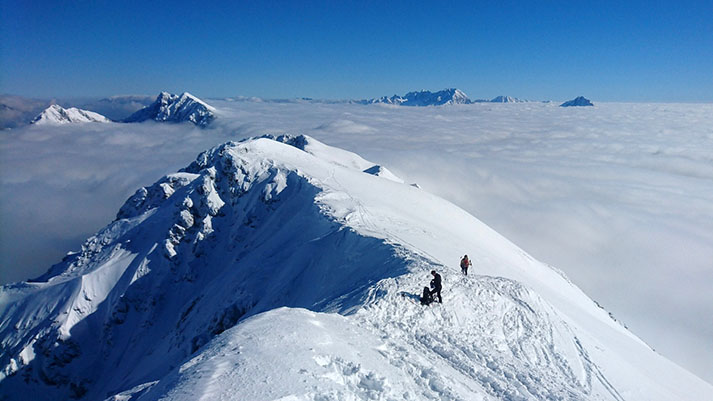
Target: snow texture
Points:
(280, 268)
(55, 115)
(175, 108)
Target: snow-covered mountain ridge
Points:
(502, 99)
(423, 98)
(176, 108)
(145, 310)
(56, 114)
(439, 98)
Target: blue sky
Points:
(609, 51)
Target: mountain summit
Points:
(56, 115)
(176, 108)
(424, 98)
(280, 268)
(578, 101)
(505, 99)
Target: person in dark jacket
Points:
(436, 285)
(426, 298)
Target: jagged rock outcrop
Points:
(176, 108)
(578, 101)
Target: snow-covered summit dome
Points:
(56, 114)
(505, 99)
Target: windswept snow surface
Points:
(195, 290)
(56, 114)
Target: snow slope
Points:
(56, 114)
(176, 108)
(181, 297)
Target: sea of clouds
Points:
(619, 196)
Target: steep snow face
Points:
(56, 114)
(425, 98)
(578, 101)
(158, 305)
(175, 108)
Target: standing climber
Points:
(464, 264)
(436, 285)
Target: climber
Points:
(464, 264)
(436, 285)
(426, 298)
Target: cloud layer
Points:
(619, 196)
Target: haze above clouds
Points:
(619, 196)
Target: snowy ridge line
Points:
(57, 115)
(188, 209)
(202, 282)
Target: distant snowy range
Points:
(183, 248)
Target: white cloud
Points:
(619, 196)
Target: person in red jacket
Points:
(464, 264)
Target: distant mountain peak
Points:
(424, 98)
(578, 101)
(176, 108)
(56, 114)
(505, 99)
(500, 99)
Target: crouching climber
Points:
(428, 293)
(426, 297)
(436, 286)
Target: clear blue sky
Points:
(607, 51)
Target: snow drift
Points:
(282, 268)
